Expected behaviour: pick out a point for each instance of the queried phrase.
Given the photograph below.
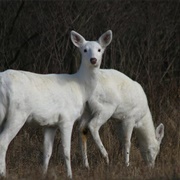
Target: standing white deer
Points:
(119, 97)
(53, 100)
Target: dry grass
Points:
(34, 36)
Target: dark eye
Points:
(99, 50)
(85, 50)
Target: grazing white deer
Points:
(53, 100)
(119, 97)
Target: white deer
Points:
(119, 97)
(53, 100)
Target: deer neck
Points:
(146, 133)
(87, 77)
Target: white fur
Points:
(119, 97)
(53, 100)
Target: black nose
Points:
(93, 60)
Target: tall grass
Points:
(34, 36)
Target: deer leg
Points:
(83, 142)
(94, 126)
(66, 132)
(13, 124)
(127, 133)
(97, 139)
(49, 135)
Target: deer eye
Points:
(85, 50)
(99, 50)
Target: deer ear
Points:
(160, 133)
(105, 39)
(77, 39)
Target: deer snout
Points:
(93, 61)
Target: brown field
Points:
(34, 36)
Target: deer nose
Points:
(93, 60)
